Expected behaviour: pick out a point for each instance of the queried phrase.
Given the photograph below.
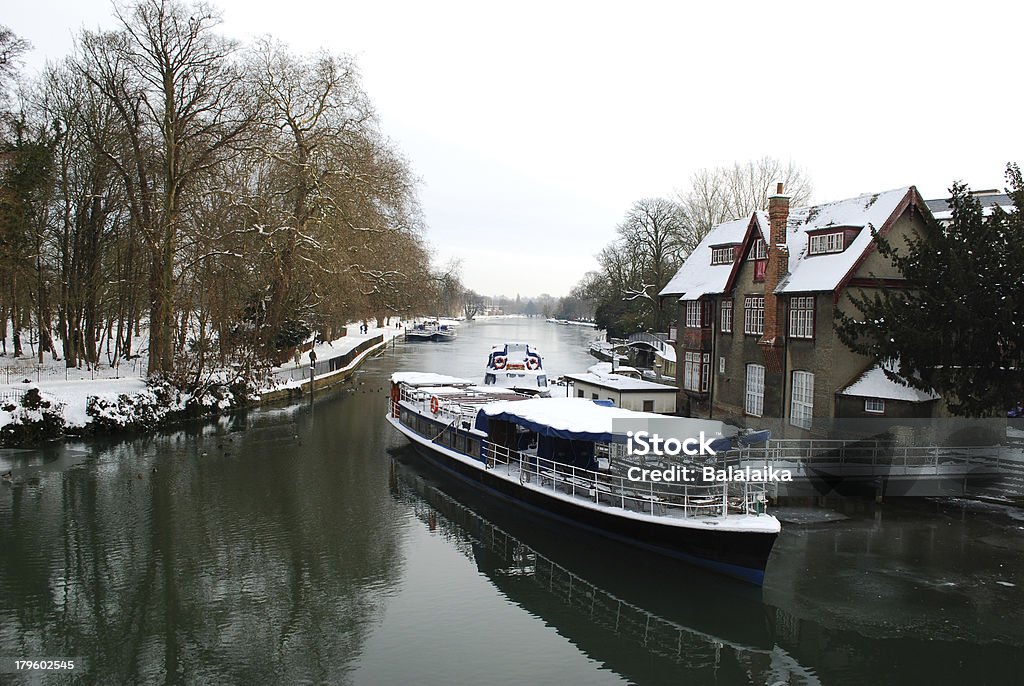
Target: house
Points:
(625, 392)
(757, 301)
(989, 199)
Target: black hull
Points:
(742, 555)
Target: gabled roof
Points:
(989, 199)
(827, 272)
(698, 276)
(875, 383)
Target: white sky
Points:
(535, 125)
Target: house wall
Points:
(664, 401)
(853, 407)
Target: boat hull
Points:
(739, 554)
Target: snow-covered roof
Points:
(668, 353)
(698, 276)
(875, 384)
(825, 272)
(618, 382)
(564, 417)
(428, 379)
(605, 368)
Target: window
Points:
(696, 371)
(874, 405)
(699, 313)
(721, 365)
(759, 251)
(648, 406)
(722, 255)
(579, 394)
(593, 396)
(826, 242)
(754, 405)
(802, 406)
(753, 314)
(801, 316)
(693, 314)
(725, 318)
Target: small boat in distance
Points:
(517, 366)
(565, 458)
(430, 331)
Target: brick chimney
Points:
(775, 271)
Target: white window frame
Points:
(758, 251)
(753, 315)
(801, 316)
(696, 371)
(723, 255)
(801, 406)
(693, 314)
(725, 316)
(874, 405)
(754, 390)
(826, 243)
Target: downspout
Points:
(712, 363)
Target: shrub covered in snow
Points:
(38, 417)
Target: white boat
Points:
(562, 458)
(517, 366)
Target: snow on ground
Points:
(73, 387)
(73, 395)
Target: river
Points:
(307, 544)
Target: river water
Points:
(307, 544)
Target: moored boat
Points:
(430, 331)
(518, 366)
(562, 458)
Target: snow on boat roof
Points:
(428, 379)
(574, 418)
(698, 276)
(875, 384)
(619, 382)
(825, 272)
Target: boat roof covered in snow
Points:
(578, 419)
(429, 379)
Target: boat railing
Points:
(673, 499)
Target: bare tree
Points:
(720, 194)
(171, 81)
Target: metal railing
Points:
(328, 365)
(606, 488)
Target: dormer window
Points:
(826, 243)
(723, 254)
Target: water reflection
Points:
(649, 620)
(254, 553)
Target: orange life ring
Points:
(435, 405)
(532, 363)
(499, 362)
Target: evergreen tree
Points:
(959, 326)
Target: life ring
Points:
(435, 404)
(499, 362)
(532, 363)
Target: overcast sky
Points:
(534, 126)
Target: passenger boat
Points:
(562, 458)
(517, 366)
(430, 331)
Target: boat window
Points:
(489, 379)
(542, 381)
